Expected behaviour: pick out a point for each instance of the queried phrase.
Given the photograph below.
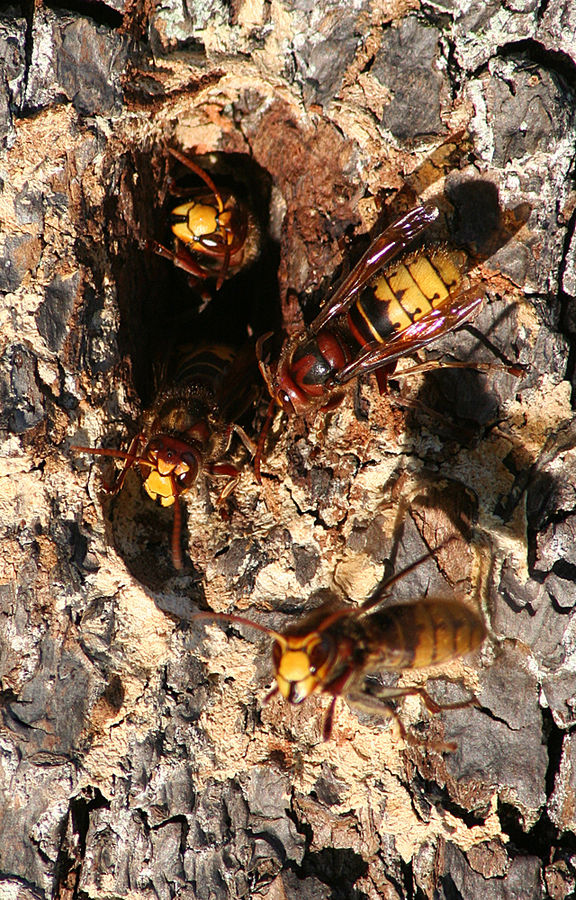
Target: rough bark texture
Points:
(137, 758)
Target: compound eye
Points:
(318, 656)
(286, 402)
(276, 655)
(154, 448)
(188, 478)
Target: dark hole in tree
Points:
(159, 308)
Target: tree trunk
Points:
(138, 755)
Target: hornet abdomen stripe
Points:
(403, 294)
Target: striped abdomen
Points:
(404, 293)
(205, 365)
(427, 633)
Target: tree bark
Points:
(138, 757)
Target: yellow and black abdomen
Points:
(426, 633)
(205, 365)
(402, 294)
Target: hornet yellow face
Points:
(301, 664)
(173, 468)
(160, 487)
(203, 227)
(195, 221)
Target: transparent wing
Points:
(456, 310)
(393, 240)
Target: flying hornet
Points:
(188, 430)
(216, 234)
(333, 648)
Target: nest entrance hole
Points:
(158, 308)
